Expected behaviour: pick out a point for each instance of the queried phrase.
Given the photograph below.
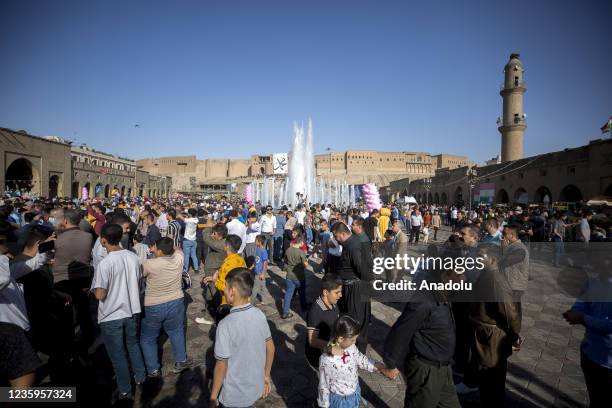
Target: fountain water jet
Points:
(301, 184)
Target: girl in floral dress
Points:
(338, 369)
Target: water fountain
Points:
(301, 183)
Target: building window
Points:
(571, 171)
(542, 172)
(521, 175)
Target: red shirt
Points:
(100, 220)
(304, 247)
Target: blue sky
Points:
(228, 78)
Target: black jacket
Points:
(354, 263)
(153, 235)
(426, 328)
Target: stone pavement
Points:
(545, 373)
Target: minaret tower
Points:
(512, 125)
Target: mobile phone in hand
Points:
(46, 246)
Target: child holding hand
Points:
(338, 369)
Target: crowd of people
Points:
(133, 259)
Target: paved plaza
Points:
(545, 373)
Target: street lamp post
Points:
(427, 186)
(471, 175)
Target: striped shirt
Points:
(174, 232)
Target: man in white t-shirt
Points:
(98, 253)
(584, 229)
(116, 286)
(190, 241)
(268, 228)
(325, 213)
(416, 221)
(235, 227)
(453, 217)
(162, 221)
(252, 231)
(300, 214)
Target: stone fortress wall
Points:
(354, 166)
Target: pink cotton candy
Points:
(248, 194)
(371, 196)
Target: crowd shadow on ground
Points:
(185, 395)
(294, 381)
(520, 392)
(94, 378)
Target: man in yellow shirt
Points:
(232, 260)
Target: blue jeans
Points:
(292, 285)
(112, 334)
(558, 250)
(269, 245)
(170, 316)
(278, 248)
(308, 236)
(189, 251)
